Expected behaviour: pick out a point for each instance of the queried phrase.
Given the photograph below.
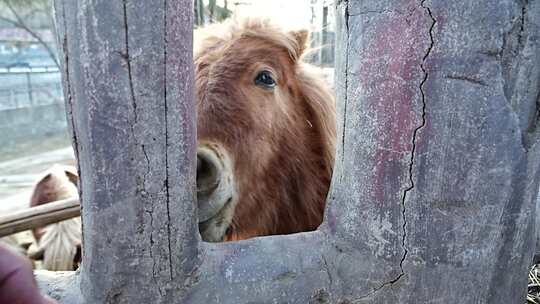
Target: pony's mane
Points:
(59, 244)
(319, 96)
(234, 28)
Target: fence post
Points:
(128, 87)
(438, 170)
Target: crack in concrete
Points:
(165, 42)
(128, 63)
(415, 135)
(467, 78)
(512, 57)
(151, 239)
(529, 135)
(70, 103)
(145, 175)
(127, 57)
(375, 290)
(522, 23)
(327, 270)
(345, 101)
(411, 162)
(373, 12)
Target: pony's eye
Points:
(265, 79)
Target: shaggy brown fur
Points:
(58, 244)
(281, 142)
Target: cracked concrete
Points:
(141, 187)
(165, 43)
(522, 22)
(127, 122)
(345, 98)
(413, 150)
(369, 12)
(328, 272)
(127, 57)
(324, 273)
(467, 78)
(415, 134)
(69, 95)
(412, 158)
(515, 56)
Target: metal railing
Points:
(30, 69)
(23, 87)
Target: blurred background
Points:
(33, 128)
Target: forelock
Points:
(219, 34)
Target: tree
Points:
(198, 8)
(436, 174)
(216, 13)
(19, 13)
(212, 9)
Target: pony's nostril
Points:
(214, 184)
(199, 166)
(207, 173)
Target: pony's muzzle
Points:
(215, 192)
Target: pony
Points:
(59, 244)
(266, 132)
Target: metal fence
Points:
(321, 51)
(29, 87)
(31, 105)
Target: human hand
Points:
(17, 283)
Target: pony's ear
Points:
(71, 174)
(40, 193)
(301, 37)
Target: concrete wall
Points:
(31, 123)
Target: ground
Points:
(533, 296)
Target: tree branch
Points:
(21, 24)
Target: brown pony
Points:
(59, 245)
(266, 132)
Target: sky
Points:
(288, 13)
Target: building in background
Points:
(27, 34)
(31, 99)
(315, 15)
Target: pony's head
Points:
(265, 129)
(59, 244)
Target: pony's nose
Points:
(215, 187)
(207, 174)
